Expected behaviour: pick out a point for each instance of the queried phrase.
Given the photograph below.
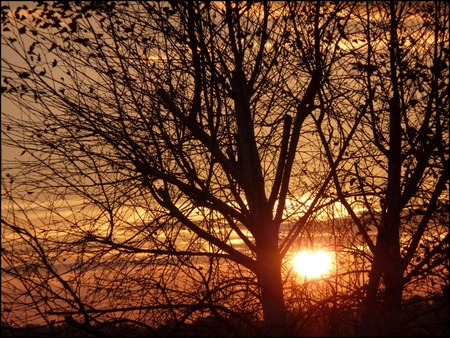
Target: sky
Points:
(6, 105)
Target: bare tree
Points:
(158, 136)
(397, 171)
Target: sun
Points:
(312, 264)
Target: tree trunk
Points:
(392, 304)
(269, 277)
(393, 280)
(366, 325)
(387, 264)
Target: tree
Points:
(176, 129)
(398, 169)
(393, 181)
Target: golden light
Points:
(312, 264)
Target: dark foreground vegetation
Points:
(422, 318)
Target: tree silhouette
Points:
(172, 154)
(398, 170)
(180, 109)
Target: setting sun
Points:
(312, 264)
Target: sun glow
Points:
(312, 264)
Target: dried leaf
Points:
(53, 46)
(24, 75)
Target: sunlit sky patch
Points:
(312, 264)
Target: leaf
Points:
(53, 46)
(32, 47)
(22, 30)
(84, 41)
(352, 181)
(24, 75)
(73, 26)
(413, 103)
(23, 152)
(16, 14)
(54, 63)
